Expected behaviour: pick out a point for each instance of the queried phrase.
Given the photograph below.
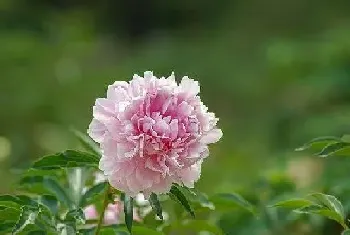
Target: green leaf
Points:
(346, 232)
(16, 201)
(138, 230)
(329, 201)
(155, 204)
(92, 193)
(50, 202)
(52, 186)
(66, 229)
(323, 211)
(319, 143)
(87, 142)
(9, 214)
(75, 217)
(6, 227)
(333, 148)
(68, 158)
(293, 203)
(28, 216)
(128, 211)
(175, 191)
(234, 199)
(192, 227)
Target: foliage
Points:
(51, 208)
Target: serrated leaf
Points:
(28, 216)
(175, 191)
(293, 203)
(128, 211)
(236, 199)
(319, 143)
(68, 158)
(333, 148)
(94, 191)
(155, 204)
(52, 186)
(329, 201)
(87, 142)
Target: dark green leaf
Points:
(16, 201)
(293, 203)
(128, 211)
(27, 216)
(87, 142)
(175, 191)
(234, 199)
(69, 158)
(155, 204)
(90, 194)
(6, 227)
(318, 143)
(333, 148)
(52, 186)
(75, 216)
(50, 202)
(9, 214)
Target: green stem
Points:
(102, 215)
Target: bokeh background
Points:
(276, 73)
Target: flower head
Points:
(152, 132)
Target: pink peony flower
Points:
(152, 132)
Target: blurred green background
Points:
(276, 73)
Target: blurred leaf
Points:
(9, 214)
(235, 199)
(50, 202)
(128, 211)
(346, 232)
(155, 204)
(52, 186)
(138, 230)
(182, 199)
(92, 193)
(75, 217)
(333, 148)
(87, 142)
(318, 143)
(67, 229)
(192, 227)
(27, 216)
(68, 158)
(323, 211)
(6, 226)
(16, 201)
(293, 203)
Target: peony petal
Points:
(211, 136)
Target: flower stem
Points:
(102, 215)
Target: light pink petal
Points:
(212, 136)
